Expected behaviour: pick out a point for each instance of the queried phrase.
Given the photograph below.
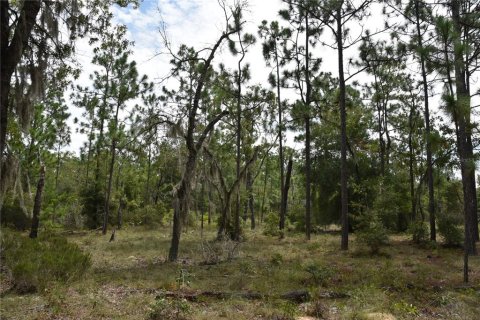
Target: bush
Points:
(449, 229)
(149, 215)
(34, 263)
(372, 233)
(419, 232)
(93, 202)
(13, 216)
(271, 222)
(319, 274)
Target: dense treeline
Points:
(212, 149)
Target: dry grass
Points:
(128, 276)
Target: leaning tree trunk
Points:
(38, 203)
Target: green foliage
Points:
(92, 206)
(319, 274)
(404, 307)
(184, 278)
(276, 259)
(372, 233)
(288, 311)
(170, 309)
(419, 232)
(36, 262)
(448, 227)
(270, 226)
(149, 215)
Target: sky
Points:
(199, 23)
(196, 23)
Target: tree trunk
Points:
(286, 187)
(237, 230)
(121, 206)
(202, 207)
(343, 121)
(38, 203)
(280, 146)
(262, 213)
(463, 117)
(147, 185)
(250, 199)
(431, 194)
(113, 150)
(57, 171)
(308, 201)
(180, 206)
(411, 161)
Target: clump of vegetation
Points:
(319, 274)
(13, 216)
(372, 233)
(92, 201)
(270, 227)
(170, 309)
(276, 259)
(151, 216)
(218, 251)
(34, 263)
(419, 232)
(448, 227)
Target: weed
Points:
(319, 274)
(170, 309)
(276, 259)
(403, 307)
(184, 278)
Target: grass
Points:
(128, 275)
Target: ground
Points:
(129, 279)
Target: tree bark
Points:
(411, 161)
(343, 121)
(431, 194)
(286, 187)
(250, 199)
(462, 111)
(308, 201)
(38, 203)
(280, 146)
(113, 150)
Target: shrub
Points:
(34, 263)
(449, 229)
(149, 215)
(319, 274)
(271, 222)
(93, 202)
(372, 233)
(220, 250)
(13, 216)
(419, 232)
